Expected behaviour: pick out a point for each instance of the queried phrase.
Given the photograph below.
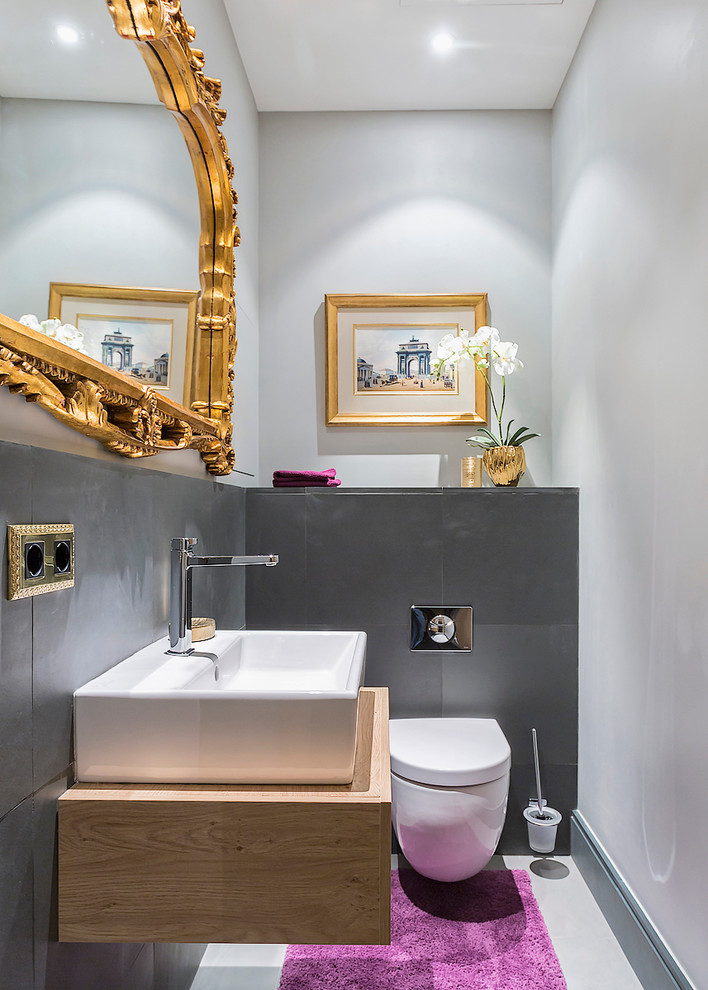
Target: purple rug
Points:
(485, 933)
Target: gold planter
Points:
(505, 465)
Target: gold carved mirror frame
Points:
(123, 414)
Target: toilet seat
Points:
(449, 752)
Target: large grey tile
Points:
(414, 680)
(141, 975)
(15, 638)
(513, 555)
(176, 965)
(63, 965)
(108, 614)
(589, 963)
(276, 597)
(370, 557)
(183, 507)
(16, 909)
(228, 535)
(524, 676)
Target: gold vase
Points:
(505, 465)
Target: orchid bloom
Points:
(485, 347)
(65, 333)
(486, 336)
(504, 357)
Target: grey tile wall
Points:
(360, 559)
(15, 645)
(124, 518)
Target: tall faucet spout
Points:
(269, 559)
(182, 561)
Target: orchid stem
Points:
(501, 413)
(491, 396)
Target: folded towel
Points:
(311, 483)
(304, 475)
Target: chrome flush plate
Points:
(441, 628)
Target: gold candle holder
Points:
(471, 472)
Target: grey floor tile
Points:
(15, 638)
(512, 555)
(16, 969)
(240, 967)
(590, 963)
(370, 557)
(524, 676)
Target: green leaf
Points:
(483, 429)
(483, 442)
(519, 433)
(530, 436)
(508, 430)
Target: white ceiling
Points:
(316, 54)
(376, 54)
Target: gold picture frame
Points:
(127, 416)
(362, 391)
(167, 315)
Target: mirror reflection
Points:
(96, 182)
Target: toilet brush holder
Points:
(542, 826)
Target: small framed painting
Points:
(380, 352)
(146, 334)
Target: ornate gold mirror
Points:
(125, 415)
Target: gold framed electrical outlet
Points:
(40, 559)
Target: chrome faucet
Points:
(182, 562)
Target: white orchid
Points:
(486, 336)
(450, 349)
(65, 333)
(504, 357)
(483, 347)
(31, 321)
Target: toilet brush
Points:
(542, 821)
(537, 767)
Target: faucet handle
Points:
(184, 543)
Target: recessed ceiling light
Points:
(67, 34)
(442, 42)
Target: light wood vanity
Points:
(232, 863)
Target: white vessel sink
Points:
(274, 708)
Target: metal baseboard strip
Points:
(653, 962)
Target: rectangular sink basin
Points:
(271, 708)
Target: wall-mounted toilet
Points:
(450, 784)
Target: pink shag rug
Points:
(485, 933)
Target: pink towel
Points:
(304, 475)
(311, 483)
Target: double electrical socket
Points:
(40, 559)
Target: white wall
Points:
(97, 192)
(395, 203)
(630, 172)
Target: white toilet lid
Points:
(449, 752)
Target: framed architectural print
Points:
(379, 356)
(146, 334)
